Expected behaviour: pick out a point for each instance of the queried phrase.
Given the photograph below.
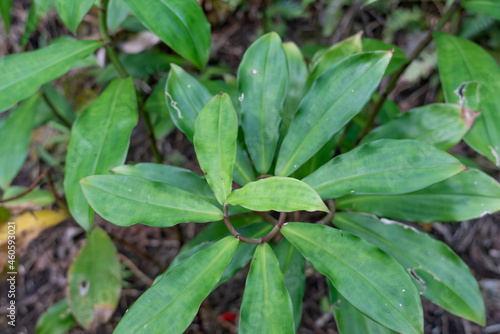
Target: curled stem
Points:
(262, 240)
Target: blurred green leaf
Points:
(59, 103)
(398, 58)
(384, 166)
(38, 9)
(144, 201)
(444, 278)
(490, 7)
(22, 74)
(58, 319)
(467, 195)
(266, 306)
(15, 138)
(94, 281)
(99, 141)
(38, 197)
(5, 9)
(118, 11)
(72, 12)
(216, 130)
(461, 62)
(334, 99)
(181, 24)
(174, 300)
(262, 84)
(353, 265)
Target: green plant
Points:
(293, 139)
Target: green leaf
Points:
(57, 320)
(156, 106)
(384, 166)
(354, 267)
(440, 125)
(94, 281)
(335, 97)
(297, 76)
(292, 265)
(185, 98)
(398, 58)
(446, 280)
(118, 11)
(243, 171)
(15, 138)
(216, 130)
(181, 24)
(59, 103)
(467, 195)
(266, 306)
(22, 74)
(324, 59)
(349, 319)
(262, 85)
(144, 201)
(99, 140)
(38, 9)
(489, 7)
(174, 176)
(72, 12)
(461, 62)
(36, 197)
(5, 9)
(277, 193)
(174, 300)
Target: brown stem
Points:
(329, 217)
(27, 190)
(58, 198)
(267, 238)
(395, 77)
(266, 217)
(142, 276)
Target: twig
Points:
(142, 276)
(395, 77)
(266, 217)
(58, 199)
(27, 190)
(329, 217)
(135, 249)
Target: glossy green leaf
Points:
(387, 296)
(440, 125)
(398, 58)
(384, 166)
(245, 251)
(174, 300)
(5, 8)
(99, 141)
(72, 12)
(57, 320)
(445, 279)
(22, 74)
(181, 24)
(59, 103)
(15, 138)
(156, 106)
(461, 62)
(174, 176)
(216, 130)
(266, 306)
(349, 319)
(243, 171)
(335, 97)
(36, 197)
(277, 193)
(489, 7)
(467, 195)
(144, 201)
(38, 9)
(118, 11)
(326, 58)
(185, 98)
(297, 76)
(292, 265)
(94, 281)
(324, 155)
(262, 85)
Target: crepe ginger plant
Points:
(285, 139)
(280, 126)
